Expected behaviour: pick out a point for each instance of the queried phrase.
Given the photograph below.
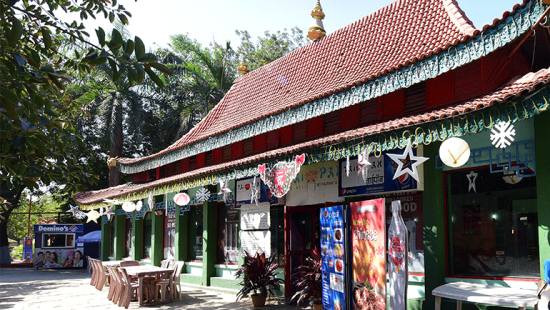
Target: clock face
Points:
(454, 152)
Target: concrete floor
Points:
(32, 289)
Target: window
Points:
(492, 225)
(195, 233)
(277, 229)
(147, 234)
(58, 241)
(228, 234)
(128, 247)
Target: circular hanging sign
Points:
(128, 206)
(182, 199)
(139, 205)
(454, 152)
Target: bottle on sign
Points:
(398, 258)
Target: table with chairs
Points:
(129, 281)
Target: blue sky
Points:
(207, 20)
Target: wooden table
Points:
(484, 294)
(141, 271)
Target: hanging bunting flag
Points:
(151, 201)
(279, 178)
(181, 199)
(224, 189)
(405, 158)
(472, 179)
(364, 163)
(347, 166)
(109, 212)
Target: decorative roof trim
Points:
(477, 47)
(466, 119)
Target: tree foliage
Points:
(37, 131)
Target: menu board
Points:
(333, 257)
(254, 217)
(256, 241)
(368, 235)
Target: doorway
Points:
(301, 236)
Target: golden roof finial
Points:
(243, 67)
(317, 31)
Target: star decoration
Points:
(74, 210)
(93, 215)
(404, 158)
(472, 179)
(364, 163)
(254, 191)
(109, 212)
(224, 189)
(101, 211)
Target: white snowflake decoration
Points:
(502, 134)
(80, 215)
(203, 195)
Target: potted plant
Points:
(308, 282)
(259, 274)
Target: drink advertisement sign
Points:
(27, 248)
(333, 257)
(379, 176)
(368, 236)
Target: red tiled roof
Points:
(401, 33)
(526, 83)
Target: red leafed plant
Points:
(259, 275)
(309, 280)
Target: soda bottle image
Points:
(398, 250)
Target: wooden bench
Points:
(484, 294)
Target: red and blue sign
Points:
(333, 257)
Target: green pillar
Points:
(542, 149)
(157, 251)
(120, 231)
(105, 245)
(209, 239)
(434, 225)
(181, 239)
(137, 238)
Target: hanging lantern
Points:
(139, 205)
(182, 199)
(454, 152)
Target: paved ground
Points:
(27, 288)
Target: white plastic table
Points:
(484, 294)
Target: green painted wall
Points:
(434, 225)
(120, 229)
(137, 238)
(157, 250)
(105, 240)
(209, 239)
(542, 151)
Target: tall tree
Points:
(36, 115)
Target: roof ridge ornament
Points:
(243, 67)
(317, 31)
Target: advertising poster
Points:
(314, 184)
(55, 246)
(27, 248)
(245, 188)
(368, 241)
(333, 256)
(379, 177)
